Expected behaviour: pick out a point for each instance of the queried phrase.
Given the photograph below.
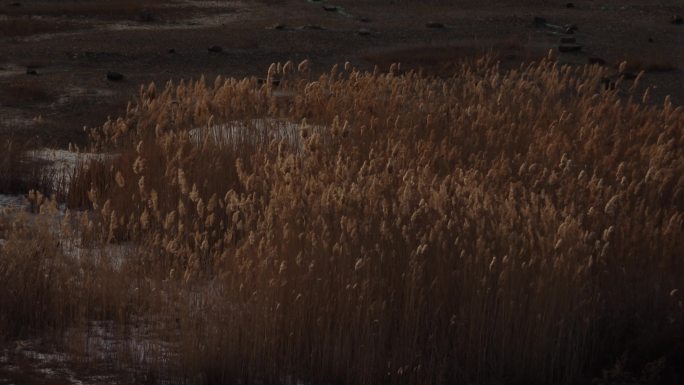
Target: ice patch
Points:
(12, 202)
(261, 130)
(63, 164)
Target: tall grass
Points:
(493, 227)
(18, 172)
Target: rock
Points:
(15, 4)
(571, 27)
(539, 21)
(677, 19)
(312, 27)
(171, 50)
(146, 16)
(363, 32)
(365, 20)
(330, 8)
(650, 40)
(31, 71)
(569, 48)
(568, 40)
(279, 26)
(628, 75)
(596, 60)
(215, 49)
(569, 5)
(434, 24)
(114, 76)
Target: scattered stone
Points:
(114, 76)
(172, 50)
(570, 5)
(363, 32)
(31, 71)
(677, 19)
(215, 49)
(146, 16)
(650, 40)
(569, 48)
(434, 24)
(15, 4)
(279, 26)
(330, 8)
(365, 20)
(596, 60)
(568, 40)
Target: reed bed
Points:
(494, 227)
(18, 172)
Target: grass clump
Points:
(519, 226)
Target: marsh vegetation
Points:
(495, 226)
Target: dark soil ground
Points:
(55, 55)
(71, 45)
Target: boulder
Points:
(569, 48)
(434, 24)
(114, 76)
(312, 27)
(146, 16)
(539, 21)
(628, 75)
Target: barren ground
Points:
(72, 45)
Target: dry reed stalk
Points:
(493, 227)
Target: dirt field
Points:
(54, 55)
